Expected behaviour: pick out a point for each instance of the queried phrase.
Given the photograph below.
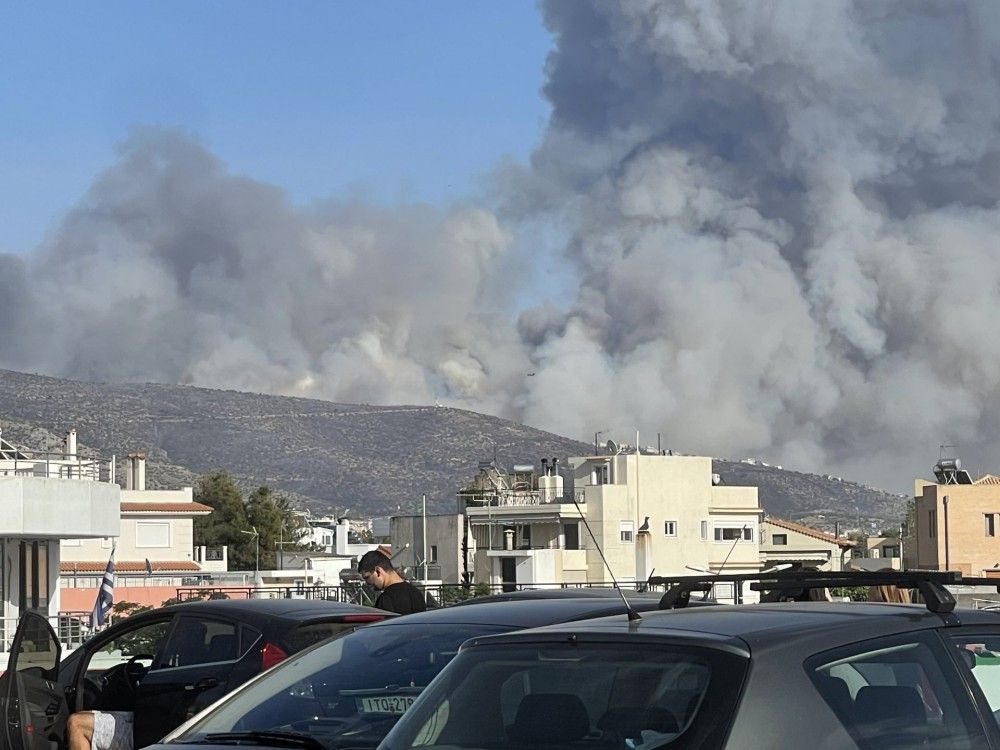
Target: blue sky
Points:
(398, 101)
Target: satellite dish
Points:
(613, 448)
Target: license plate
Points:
(387, 704)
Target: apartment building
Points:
(956, 522)
(648, 513)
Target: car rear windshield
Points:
(576, 695)
(306, 635)
(351, 689)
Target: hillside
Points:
(371, 459)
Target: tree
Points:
(224, 526)
(276, 523)
(270, 514)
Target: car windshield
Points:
(347, 692)
(568, 694)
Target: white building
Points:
(45, 497)
(649, 514)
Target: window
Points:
(991, 525)
(932, 523)
(980, 654)
(152, 534)
(627, 531)
(600, 474)
(779, 540)
(704, 529)
(525, 534)
(571, 533)
(733, 533)
(197, 640)
(897, 692)
(890, 551)
(670, 528)
(434, 554)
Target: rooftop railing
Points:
(55, 465)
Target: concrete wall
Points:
(54, 508)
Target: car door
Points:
(35, 710)
(977, 652)
(193, 669)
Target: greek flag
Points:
(105, 594)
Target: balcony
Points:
(46, 494)
(27, 463)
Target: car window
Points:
(145, 640)
(306, 635)
(199, 640)
(359, 684)
(599, 696)
(249, 637)
(899, 692)
(38, 649)
(981, 654)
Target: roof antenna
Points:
(632, 614)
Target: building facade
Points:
(647, 514)
(957, 526)
(785, 542)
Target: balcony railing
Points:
(55, 465)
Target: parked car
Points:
(348, 692)
(793, 674)
(166, 664)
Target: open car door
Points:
(35, 707)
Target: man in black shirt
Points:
(397, 595)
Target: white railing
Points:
(55, 465)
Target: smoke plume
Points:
(780, 222)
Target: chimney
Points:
(135, 475)
(70, 443)
(545, 467)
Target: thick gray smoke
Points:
(784, 217)
(781, 221)
(173, 270)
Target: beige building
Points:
(957, 526)
(155, 542)
(649, 514)
(784, 542)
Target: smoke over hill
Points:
(780, 226)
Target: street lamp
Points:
(256, 538)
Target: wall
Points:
(443, 531)
(970, 550)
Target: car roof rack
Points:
(791, 584)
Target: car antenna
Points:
(633, 616)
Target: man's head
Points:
(375, 568)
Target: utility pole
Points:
(424, 525)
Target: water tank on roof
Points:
(550, 487)
(524, 468)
